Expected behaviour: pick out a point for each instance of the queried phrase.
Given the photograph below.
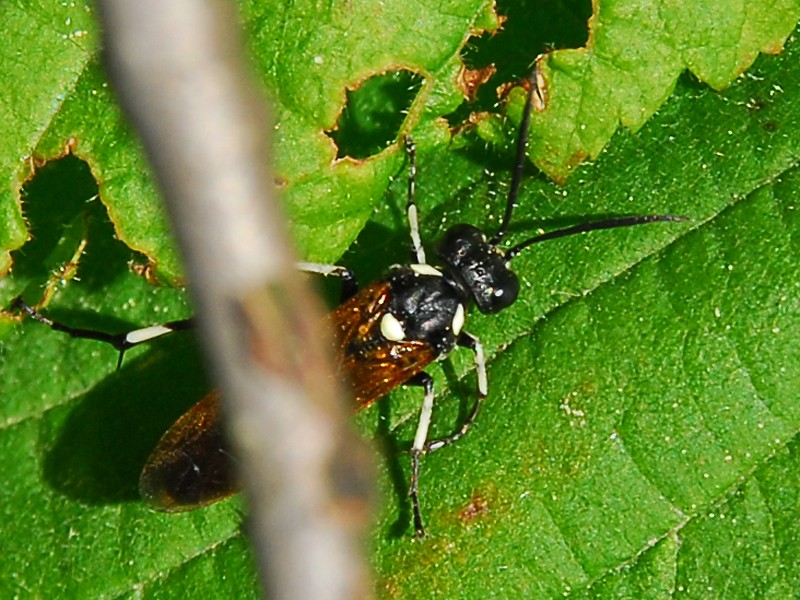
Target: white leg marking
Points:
(146, 334)
(320, 268)
(413, 225)
(424, 422)
(480, 365)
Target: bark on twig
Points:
(180, 72)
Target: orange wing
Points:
(190, 467)
(373, 365)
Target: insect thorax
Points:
(428, 307)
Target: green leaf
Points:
(645, 385)
(635, 53)
(639, 438)
(46, 45)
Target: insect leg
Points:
(421, 444)
(467, 340)
(120, 341)
(347, 277)
(411, 204)
(419, 448)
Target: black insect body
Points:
(426, 305)
(387, 334)
(424, 317)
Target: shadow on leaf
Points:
(106, 437)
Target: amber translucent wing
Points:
(190, 467)
(372, 365)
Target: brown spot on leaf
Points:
(504, 89)
(146, 270)
(470, 80)
(478, 505)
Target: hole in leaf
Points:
(374, 113)
(531, 27)
(52, 200)
(68, 225)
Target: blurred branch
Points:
(179, 70)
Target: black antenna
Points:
(516, 178)
(628, 221)
(519, 164)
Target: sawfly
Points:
(386, 334)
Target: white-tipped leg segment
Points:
(120, 341)
(348, 278)
(411, 205)
(480, 365)
(424, 419)
(324, 269)
(421, 444)
(418, 447)
(467, 340)
(416, 240)
(145, 334)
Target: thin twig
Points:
(179, 71)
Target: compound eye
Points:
(501, 295)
